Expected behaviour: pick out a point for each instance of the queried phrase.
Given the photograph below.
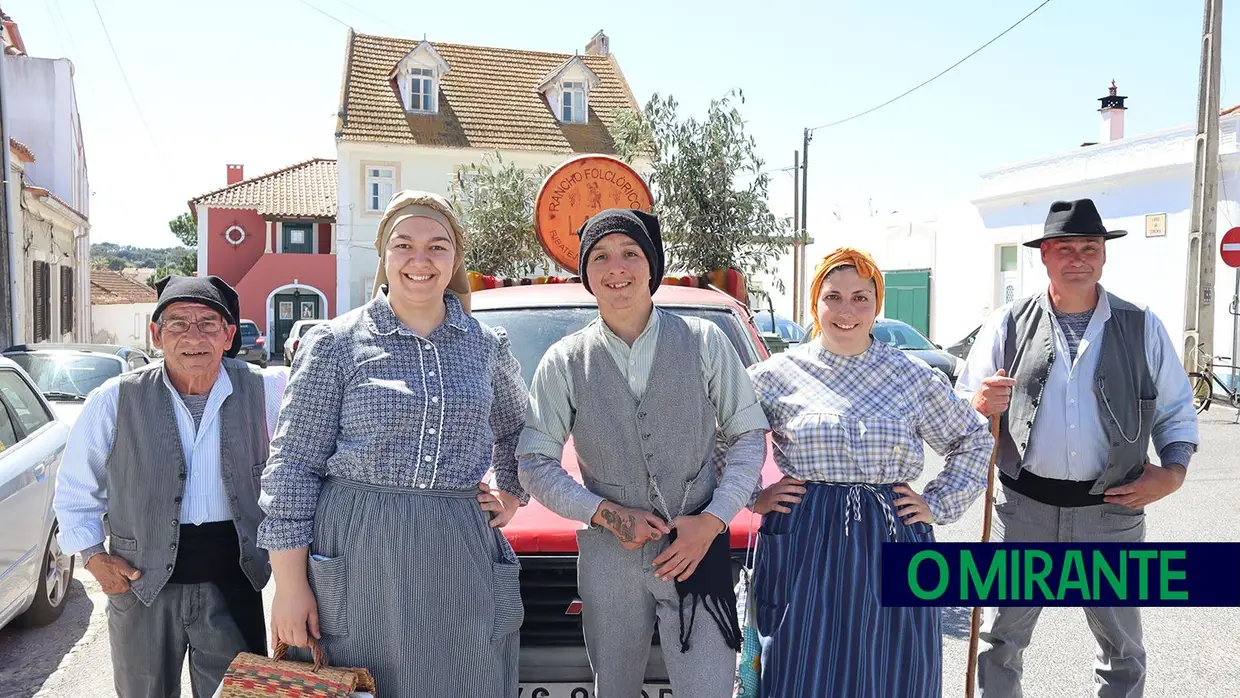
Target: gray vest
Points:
(147, 471)
(1123, 386)
(627, 448)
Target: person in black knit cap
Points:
(645, 393)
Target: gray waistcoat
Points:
(668, 437)
(1123, 386)
(147, 471)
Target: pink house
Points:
(273, 238)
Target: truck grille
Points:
(548, 586)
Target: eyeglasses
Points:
(182, 326)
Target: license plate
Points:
(578, 690)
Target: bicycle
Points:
(1202, 384)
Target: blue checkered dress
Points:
(854, 427)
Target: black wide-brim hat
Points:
(1074, 219)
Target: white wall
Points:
(124, 323)
(425, 169)
(946, 241)
(43, 115)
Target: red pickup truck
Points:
(553, 656)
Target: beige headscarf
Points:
(423, 204)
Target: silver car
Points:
(34, 572)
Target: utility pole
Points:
(1199, 294)
(796, 237)
(804, 216)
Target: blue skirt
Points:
(817, 577)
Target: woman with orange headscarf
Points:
(848, 418)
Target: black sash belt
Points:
(711, 586)
(210, 553)
(1057, 493)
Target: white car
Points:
(299, 330)
(67, 373)
(34, 571)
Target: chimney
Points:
(236, 173)
(598, 45)
(1112, 115)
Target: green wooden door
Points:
(289, 308)
(298, 238)
(908, 297)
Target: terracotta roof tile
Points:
(113, 288)
(304, 190)
(21, 149)
(488, 99)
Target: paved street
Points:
(1191, 652)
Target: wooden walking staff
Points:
(975, 618)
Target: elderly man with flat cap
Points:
(165, 462)
(1084, 382)
(644, 392)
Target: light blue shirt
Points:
(1068, 440)
(81, 497)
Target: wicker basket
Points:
(254, 676)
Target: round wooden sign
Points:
(577, 190)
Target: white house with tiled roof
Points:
(413, 112)
(120, 309)
(273, 239)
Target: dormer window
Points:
(567, 90)
(417, 77)
(573, 103)
(421, 89)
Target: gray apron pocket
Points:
(329, 583)
(509, 613)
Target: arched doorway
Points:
(288, 304)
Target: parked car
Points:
(34, 571)
(66, 373)
(962, 348)
(553, 656)
(253, 344)
(299, 330)
(778, 332)
(906, 338)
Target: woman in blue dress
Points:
(848, 419)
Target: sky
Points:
(257, 82)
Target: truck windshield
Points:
(533, 330)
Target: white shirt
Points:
(1068, 440)
(81, 497)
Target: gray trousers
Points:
(621, 598)
(149, 643)
(1006, 632)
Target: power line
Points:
(374, 16)
(59, 42)
(125, 77)
(334, 18)
(947, 70)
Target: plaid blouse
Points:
(863, 419)
(369, 400)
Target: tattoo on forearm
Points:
(625, 527)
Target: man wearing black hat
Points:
(1084, 382)
(644, 392)
(168, 459)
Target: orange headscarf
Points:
(844, 257)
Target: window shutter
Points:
(66, 300)
(42, 301)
